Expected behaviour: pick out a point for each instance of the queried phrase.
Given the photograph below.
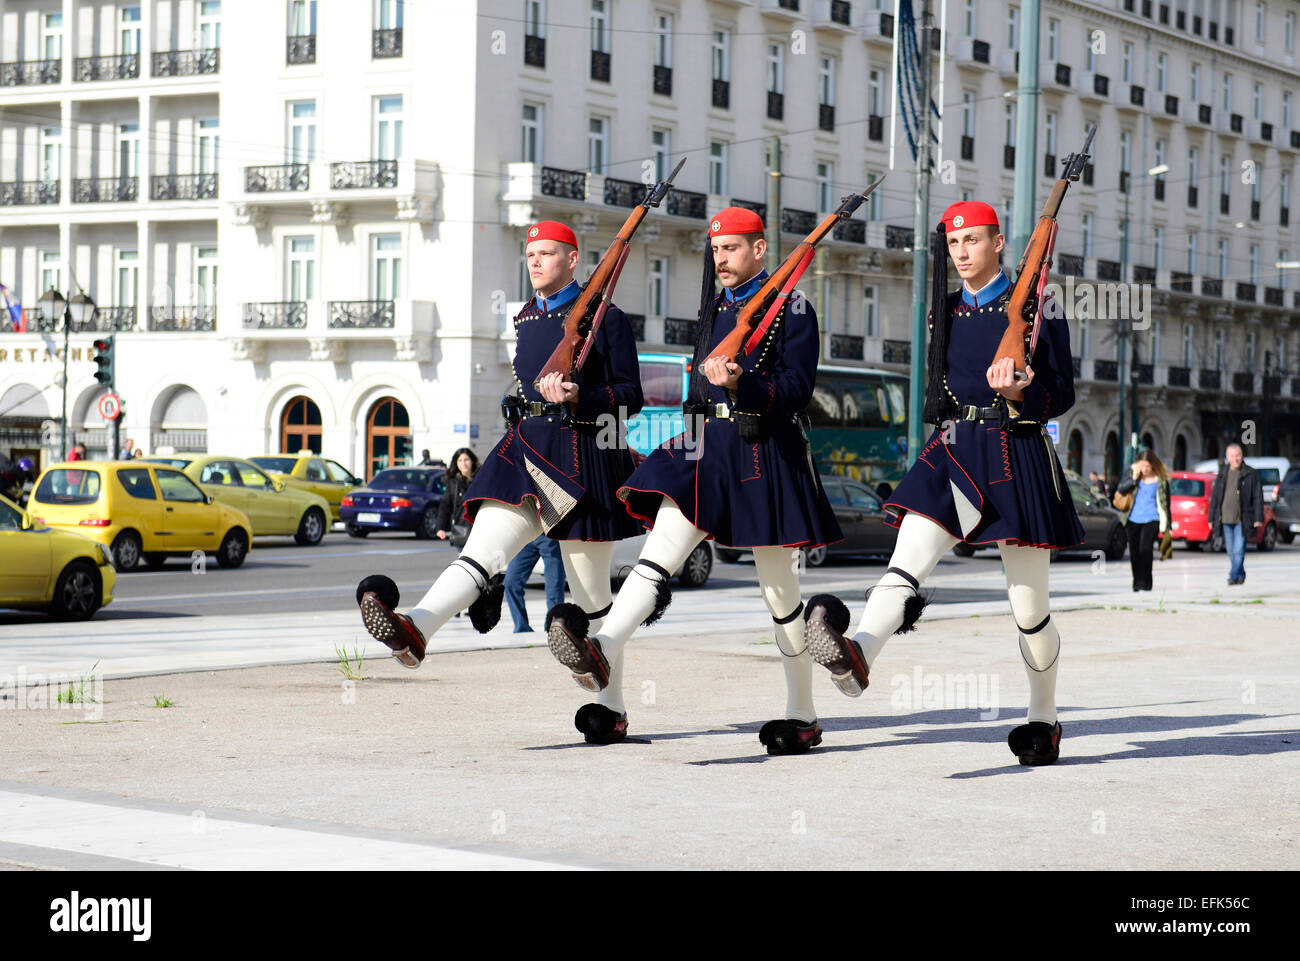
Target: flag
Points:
(14, 308)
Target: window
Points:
(1225, 172)
(1288, 31)
(137, 482)
(967, 113)
(1162, 66)
(205, 276)
(1252, 339)
(1223, 258)
(1189, 346)
(340, 474)
(1261, 18)
(388, 128)
(535, 18)
(599, 26)
(968, 17)
(721, 55)
(1013, 28)
(1155, 342)
(1125, 150)
(302, 132)
(1009, 125)
(222, 473)
(302, 18)
(1257, 101)
(870, 327)
(1193, 165)
(825, 186)
(1286, 109)
(1191, 253)
(51, 36)
(1089, 55)
(128, 30)
(128, 277)
(51, 272)
(1128, 63)
(302, 268)
(531, 151)
(657, 287)
(1087, 235)
(253, 478)
(386, 272)
(874, 97)
(1158, 247)
(389, 15)
(826, 81)
(209, 25)
(51, 153)
(1050, 139)
(775, 68)
(128, 150)
(175, 486)
(873, 202)
(1227, 93)
(1194, 84)
(661, 145)
(718, 167)
(1254, 263)
(1283, 256)
(597, 144)
(1160, 155)
(663, 40)
(209, 145)
(1085, 337)
(1053, 40)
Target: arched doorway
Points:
(1074, 452)
(388, 436)
(300, 426)
(1211, 448)
(1112, 456)
(1180, 452)
(1148, 441)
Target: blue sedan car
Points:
(397, 499)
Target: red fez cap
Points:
(552, 230)
(970, 213)
(735, 220)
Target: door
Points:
(267, 512)
(189, 521)
(142, 505)
(876, 536)
(221, 479)
(844, 515)
(24, 559)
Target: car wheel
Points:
(1269, 540)
(962, 549)
(698, 566)
(1118, 543)
(311, 528)
(1216, 543)
(233, 549)
(126, 550)
(813, 556)
(155, 560)
(77, 593)
(1195, 545)
(427, 528)
(727, 555)
(1287, 536)
(355, 531)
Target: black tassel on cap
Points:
(938, 406)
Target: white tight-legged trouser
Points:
(921, 543)
(499, 532)
(666, 549)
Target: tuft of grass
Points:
(77, 693)
(350, 664)
(160, 701)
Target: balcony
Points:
(637, 321)
(1159, 185)
(826, 116)
(600, 61)
(105, 190)
(850, 231)
(348, 175)
(1009, 156)
(1272, 385)
(183, 318)
(183, 187)
(1105, 370)
(566, 184)
(124, 66)
(534, 51)
(22, 192)
(1171, 105)
(802, 222)
(979, 51)
(1224, 204)
(760, 209)
(1211, 287)
(775, 105)
(624, 193)
(1069, 265)
(1109, 270)
(1180, 377)
(30, 73)
(1144, 275)
(385, 44)
(1246, 292)
(663, 81)
(1124, 179)
(721, 94)
(110, 319)
(1049, 164)
(276, 178)
(680, 331)
(967, 148)
(899, 238)
(360, 313)
(847, 347)
(1236, 122)
(1101, 85)
(878, 27)
(300, 49)
(1254, 210)
(1193, 197)
(1062, 75)
(687, 203)
(1295, 139)
(786, 9)
(1243, 382)
(1180, 282)
(1208, 379)
(875, 128)
(1145, 374)
(276, 315)
(896, 352)
(1275, 296)
(1204, 114)
(1137, 95)
(186, 63)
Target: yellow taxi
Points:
(41, 568)
(272, 506)
(139, 511)
(311, 472)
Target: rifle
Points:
(776, 290)
(571, 353)
(1035, 265)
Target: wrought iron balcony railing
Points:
(663, 80)
(183, 318)
(1145, 374)
(1069, 265)
(896, 351)
(638, 326)
(1275, 296)
(186, 63)
(760, 209)
(300, 49)
(1109, 270)
(122, 66)
(826, 116)
(1246, 292)
(852, 231)
(21, 192)
(899, 238)
(798, 221)
(846, 347)
(1180, 377)
(1211, 287)
(687, 203)
(110, 319)
(1144, 275)
(1209, 379)
(360, 313)
(722, 94)
(1180, 281)
(276, 314)
(678, 330)
(566, 184)
(106, 190)
(600, 63)
(184, 187)
(25, 73)
(386, 43)
(274, 178)
(624, 193)
(1105, 370)
(348, 174)
(1243, 382)
(775, 105)
(534, 51)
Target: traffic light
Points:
(103, 358)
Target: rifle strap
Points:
(779, 301)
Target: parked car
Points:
(41, 568)
(1189, 501)
(1286, 508)
(140, 511)
(396, 499)
(694, 572)
(1271, 470)
(271, 505)
(311, 472)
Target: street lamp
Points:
(75, 311)
(1125, 326)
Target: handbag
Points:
(1122, 502)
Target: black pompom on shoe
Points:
(382, 586)
(836, 612)
(574, 617)
(566, 636)
(789, 736)
(826, 621)
(1036, 743)
(485, 613)
(599, 724)
(663, 597)
(912, 608)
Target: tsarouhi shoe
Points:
(1036, 743)
(825, 623)
(790, 736)
(566, 635)
(599, 724)
(377, 596)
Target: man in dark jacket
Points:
(1236, 504)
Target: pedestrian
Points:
(1236, 507)
(517, 576)
(554, 472)
(461, 473)
(746, 479)
(1097, 483)
(987, 475)
(425, 459)
(1146, 515)
(128, 449)
(78, 452)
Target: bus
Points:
(858, 416)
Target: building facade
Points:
(304, 221)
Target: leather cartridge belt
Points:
(721, 411)
(970, 412)
(515, 409)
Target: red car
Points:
(1189, 502)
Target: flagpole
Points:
(920, 248)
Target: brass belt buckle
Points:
(721, 410)
(970, 412)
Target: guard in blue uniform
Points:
(742, 474)
(555, 471)
(988, 474)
